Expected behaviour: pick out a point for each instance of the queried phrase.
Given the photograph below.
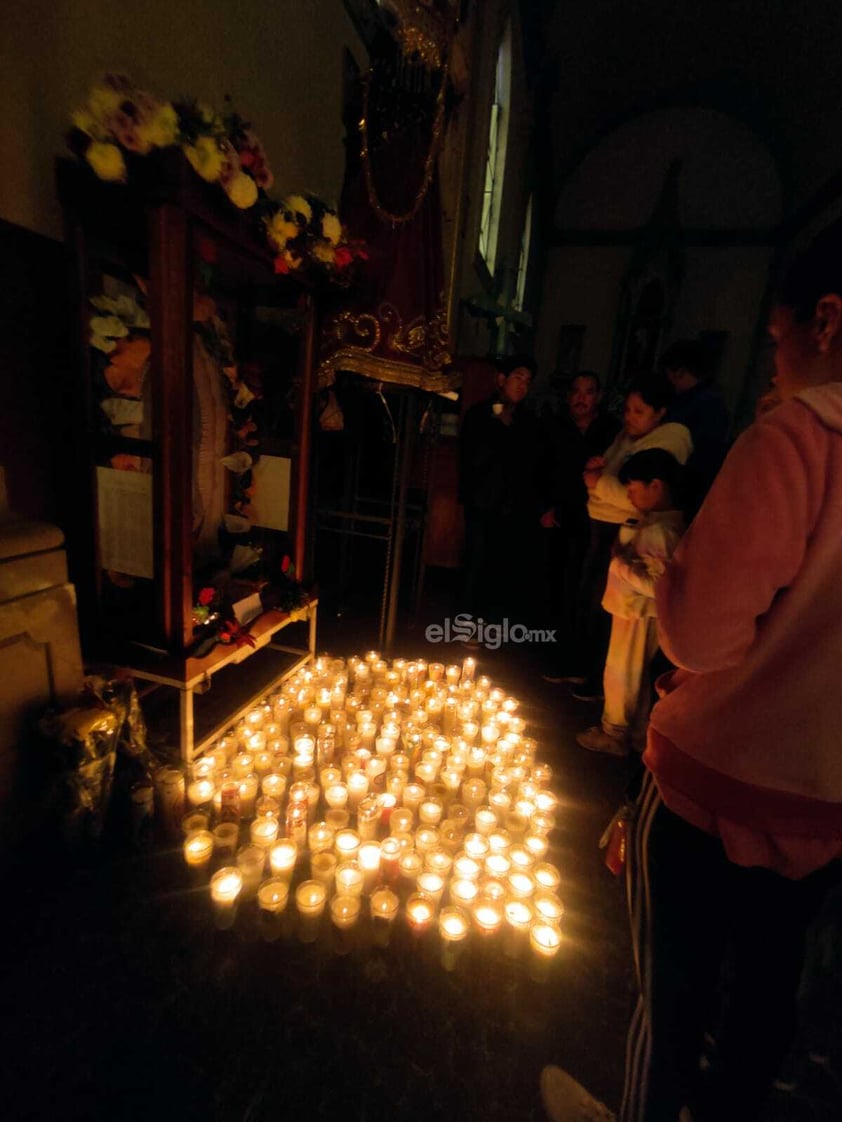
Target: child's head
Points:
(653, 480)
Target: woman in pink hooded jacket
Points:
(738, 837)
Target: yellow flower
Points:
(205, 158)
(85, 121)
(281, 230)
(241, 190)
(107, 161)
(293, 260)
(297, 204)
(323, 251)
(160, 130)
(331, 227)
(105, 100)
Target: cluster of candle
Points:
(408, 787)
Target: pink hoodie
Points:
(750, 726)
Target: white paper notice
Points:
(124, 507)
(270, 505)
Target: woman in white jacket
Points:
(608, 509)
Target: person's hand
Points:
(595, 463)
(548, 519)
(591, 479)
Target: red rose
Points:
(281, 265)
(206, 596)
(286, 564)
(343, 256)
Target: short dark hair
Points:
(686, 354)
(815, 272)
(654, 390)
(590, 374)
(509, 363)
(654, 463)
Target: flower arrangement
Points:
(119, 119)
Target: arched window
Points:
(495, 158)
(523, 259)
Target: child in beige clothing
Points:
(643, 550)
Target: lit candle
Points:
(384, 908)
(544, 940)
(336, 796)
(193, 822)
(368, 817)
(368, 858)
(249, 786)
(547, 876)
(344, 912)
(413, 793)
(469, 666)
(225, 888)
(485, 820)
(453, 929)
(497, 865)
(200, 792)
(282, 858)
(473, 793)
(536, 845)
(499, 842)
(438, 860)
(548, 906)
(226, 837)
(323, 868)
(357, 788)
(349, 879)
(310, 898)
(521, 885)
(169, 797)
(488, 915)
(390, 851)
(263, 832)
(432, 885)
(521, 857)
(476, 845)
(337, 819)
(402, 820)
(198, 850)
(346, 843)
(519, 916)
(466, 868)
(251, 861)
(320, 838)
(410, 864)
(463, 891)
(426, 837)
(243, 765)
(420, 912)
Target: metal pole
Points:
(407, 438)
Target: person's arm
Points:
(746, 544)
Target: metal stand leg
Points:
(311, 642)
(186, 723)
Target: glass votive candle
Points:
(264, 832)
(346, 843)
(499, 841)
(251, 861)
(432, 885)
(463, 892)
(547, 877)
(473, 793)
(430, 812)
(282, 857)
(500, 801)
(198, 820)
(310, 899)
(329, 775)
(548, 906)
(438, 860)
(344, 913)
(521, 884)
(323, 868)
(544, 943)
(198, 850)
(410, 864)
(466, 868)
(516, 824)
(336, 796)
(546, 802)
(267, 807)
(542, 823)
(272, 897)
(476, 845)
(426, 772)
(487, 915)
(402, 820)
(226, 838)
(520, 856)
(368, 859)
(413, 793)
(225, 887)
(454, 926)
(337, 819)
(420, 912)
(426, 837)
(169, 799)
(390, 851)
(357, 788)
(273, 786)
(536, 845)
(384, 908)
(200, 792)
(519, 916)
(349, 879)
(485, 820)
(368, 817)
(497, 865)
(320, 838)
(249, 786)
(263, 760)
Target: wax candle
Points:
(432, 885)
(368, 859)
(544, 942)
(336, 796)
(453, 929)
(251, 861)
(323, 868)
(337, 819)
(264, 832)
(497, 865)
(487, 915)
(193, 822)
(357, 788)
(463, 892)
(310, 899)
(368, 817)
(384, 908)
(420, 912)
(426, 837)
(200, 792)
(438, 860)
(466, 867)
(390, 851)
(249, 786)
(536, 845)
(243, 765)
(198, 850)
(169, 798)
(225, 887)
(347, 843)
(430, 812)
(282, 857)
(521, 884)
(499, 841)
(413, 793)
(344, 912)
(519, 915)
(546, 876)
(548, 906)
(476, 845)
(320, 838)
(226, 837)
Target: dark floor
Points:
(128, 1004)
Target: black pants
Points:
(689, 907)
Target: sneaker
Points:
(557, 678)
(596, 739)
(566, 1100)
(587, 692)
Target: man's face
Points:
(583, 397)
(515, 386)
